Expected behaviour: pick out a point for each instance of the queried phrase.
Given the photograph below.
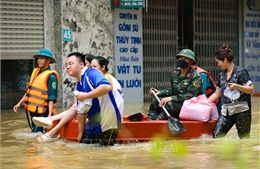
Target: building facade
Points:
(88, 26)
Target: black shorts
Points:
(106, 138)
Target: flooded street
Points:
(19, 149)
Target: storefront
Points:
(155, 33)
(22, 34)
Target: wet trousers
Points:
(241, 120)
(106, 138)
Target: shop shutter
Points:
(215, 22)
(160, 43)
(22, 28)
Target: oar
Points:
(174, 124)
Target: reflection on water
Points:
(19, 149)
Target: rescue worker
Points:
(185, 84)
(41, 96)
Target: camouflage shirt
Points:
(183, 87)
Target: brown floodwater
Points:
(19, 149)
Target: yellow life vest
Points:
(36, 100)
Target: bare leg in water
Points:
(64, 118)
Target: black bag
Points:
(136, 117)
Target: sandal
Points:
(45, 138)
(42, 122)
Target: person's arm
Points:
(193, 90)
(18, 105)
(97, 92)
(50, 105)
(100, 84)
(81, 117)
(244, 83)
(52, 92)
(165, 92)
(245, 89)
(75, 98)
(216, 95)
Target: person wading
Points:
(41, 96)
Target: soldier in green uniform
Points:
(185, 84)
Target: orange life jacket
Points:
(37, 92)
(210, 90)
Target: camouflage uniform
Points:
(182, 88)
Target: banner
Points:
(252, 41)
(129, 52)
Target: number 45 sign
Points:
(67, 35)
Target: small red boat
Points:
(145, 130)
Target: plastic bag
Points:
(232, 94)
(198, 109)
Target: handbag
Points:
(198, 109)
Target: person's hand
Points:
(232, 86)
(164, 101)
(80, 96)
(155, 91)
(16, 107)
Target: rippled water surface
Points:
(19, 149)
